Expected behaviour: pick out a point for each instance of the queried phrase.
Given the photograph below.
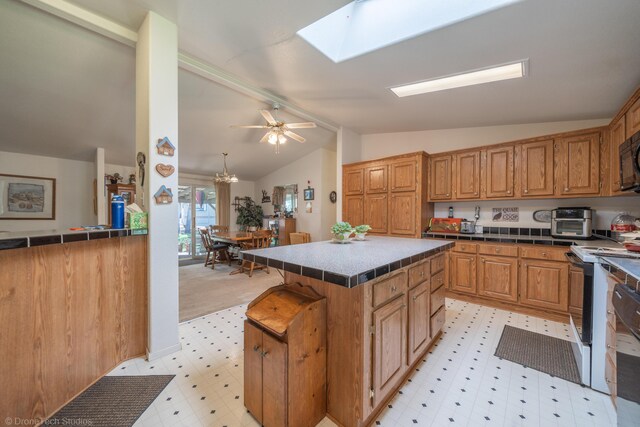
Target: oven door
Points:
(626, 303)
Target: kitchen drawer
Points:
(437, 263)
(419, 273)
(544, 253)
(611, 341)
(437, 281)
(609, 374)
(437, 321)
(437, 300)
(389, 289)
(467, 248)
(499, 250)
(611, 314)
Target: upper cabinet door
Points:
(633, 119)
(616, 137)
(375, 179)
(440, 178)
(578, 167)
(353, 181)
(468, 175)
(499, 172)
(353, 209)
(536, 168)
(375, 213)
(404, 175)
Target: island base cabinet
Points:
(419, 315)
(390, 347)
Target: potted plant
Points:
(342, 230)
(250, 215)
(361, 231)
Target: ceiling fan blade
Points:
(305, 125)
(294, 136)
(250, 126)
(268, 117)
(265, 138)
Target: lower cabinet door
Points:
(545, 284)
(403, 213)
(463, 273)
(353, 210)
(498, 278)
(390, 347)
(274, 382)
(253, 370)
(419, 316)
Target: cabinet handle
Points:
(393, 289)
(475, 194)
(483, 260)
(508, 191)
(610, 346)
(422, 274)
(526, 191)
(264, 353)
(544, 254)
(497, 250)
(611, 312)
(415, 297)
(256, 348)
(566, 189)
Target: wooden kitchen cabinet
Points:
(404, 175)
(419, 319)
(463, 273)
(498, 278)
(617, 136)
(376, 213)
(440, 177)
(280, 349)
(393, 200)
(536, 168)
(375, 179)
(402, 213)
(498, 172)
(467, 175)
(578, 165)
(353, 181)
(353, 210)
(632, 118)
(544, 284)
(389, 347)
(576, 290)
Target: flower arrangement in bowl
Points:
(341, 231)
(361, 231)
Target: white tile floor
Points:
(460, 383)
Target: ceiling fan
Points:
(278, 130)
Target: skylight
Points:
(363, 26)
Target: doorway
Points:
(197, 209)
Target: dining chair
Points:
(215, 251)
(219, 228)
(299, 238)
(260, 239)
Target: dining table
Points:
(234, 238)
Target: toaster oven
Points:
(572, 223)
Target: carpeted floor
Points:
(204, 291)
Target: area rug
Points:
(540, 352)
(113, 401)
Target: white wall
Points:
(606, 208)
(319, 167)
(242, 189)
(436, 141)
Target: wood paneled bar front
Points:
(69, 313)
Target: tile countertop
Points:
(348, 264)
(629, 266)
(514, 238)
(26, 239)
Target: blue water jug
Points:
(117, 211)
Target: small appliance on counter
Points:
(445, 225)
(467, 227)
(574, 223)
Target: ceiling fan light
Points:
(233, 178)
(273, 138)
(282, 139)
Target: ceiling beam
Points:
(96, 23)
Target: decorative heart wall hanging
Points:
(165, 170)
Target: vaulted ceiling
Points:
(69, 88)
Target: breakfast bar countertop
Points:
(629, 266)
(348, 264)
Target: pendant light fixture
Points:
(225, 176)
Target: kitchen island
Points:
(384, 309)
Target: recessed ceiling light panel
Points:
(487, 75)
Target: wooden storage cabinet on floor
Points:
(536, 168)
(285, 358)
(467, 182)
(440, 177)
(498, 278)
(544, 284)
(463, 273)
(578, 165)
(394, 196)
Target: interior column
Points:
(157, 118)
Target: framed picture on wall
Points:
(27, 197)
(308, 193)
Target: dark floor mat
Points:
(540, 352)
(113, 401)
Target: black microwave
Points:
(630, 164)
